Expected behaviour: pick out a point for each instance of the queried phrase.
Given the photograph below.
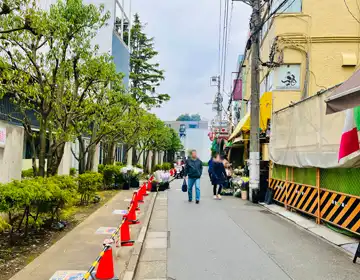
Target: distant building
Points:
(193, 135)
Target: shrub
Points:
(157, 167)
(101, 168)
(33, 201)
(89, 183)
(109, 172)
(205, 163)
(72, 171)
(166, 166)
(119, 163)
(138, 165)
(27, 173)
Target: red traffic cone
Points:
(139, 196)
(125, 233)
(134, 201)
(151, 178)
(143, 189)
(132, 216)
(105, 270)
(149, 186)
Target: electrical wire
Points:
(351, 12)
(219, 54)
(255, 32)
(224, 36)
(227, 42)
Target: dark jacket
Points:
(218, 174)
(210, 166)
(193, 168)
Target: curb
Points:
(135, 255)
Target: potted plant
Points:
(244, 193)
(154, 185)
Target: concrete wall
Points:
(11, 154)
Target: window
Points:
(193, 126)
(290, 6)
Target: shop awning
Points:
(265, 115)
(346, 96)
(243, 125)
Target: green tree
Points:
(145, 74)
(42, 66)
(187, 117)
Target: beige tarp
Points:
(304, 136)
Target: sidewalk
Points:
(79, 248)
(152, 264)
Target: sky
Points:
(186, 35)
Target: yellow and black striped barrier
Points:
(88, 274)
(342, 210)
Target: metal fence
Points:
(342, 180)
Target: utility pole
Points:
(255, 96)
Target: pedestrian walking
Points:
(193, 172)
(219, 177)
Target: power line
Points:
(219, 54)
(258, 29)
(351, 12)
(224, 34)
(227, 42)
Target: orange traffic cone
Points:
(125, 233)
(132, 216)
(105, 270)
(134, 201)
(143, 189)
(139, 196)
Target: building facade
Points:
(308, 46)
(193, 135)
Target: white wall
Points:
(11, 154)
(198, 139)
(65, 164)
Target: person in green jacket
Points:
(193, 172)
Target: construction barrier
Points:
(339, 209)
(104, 261)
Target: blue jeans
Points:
(191, 182)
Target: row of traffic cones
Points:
(105, 269)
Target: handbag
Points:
(184, 186)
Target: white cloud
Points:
(186, 36)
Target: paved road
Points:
(233, 239)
